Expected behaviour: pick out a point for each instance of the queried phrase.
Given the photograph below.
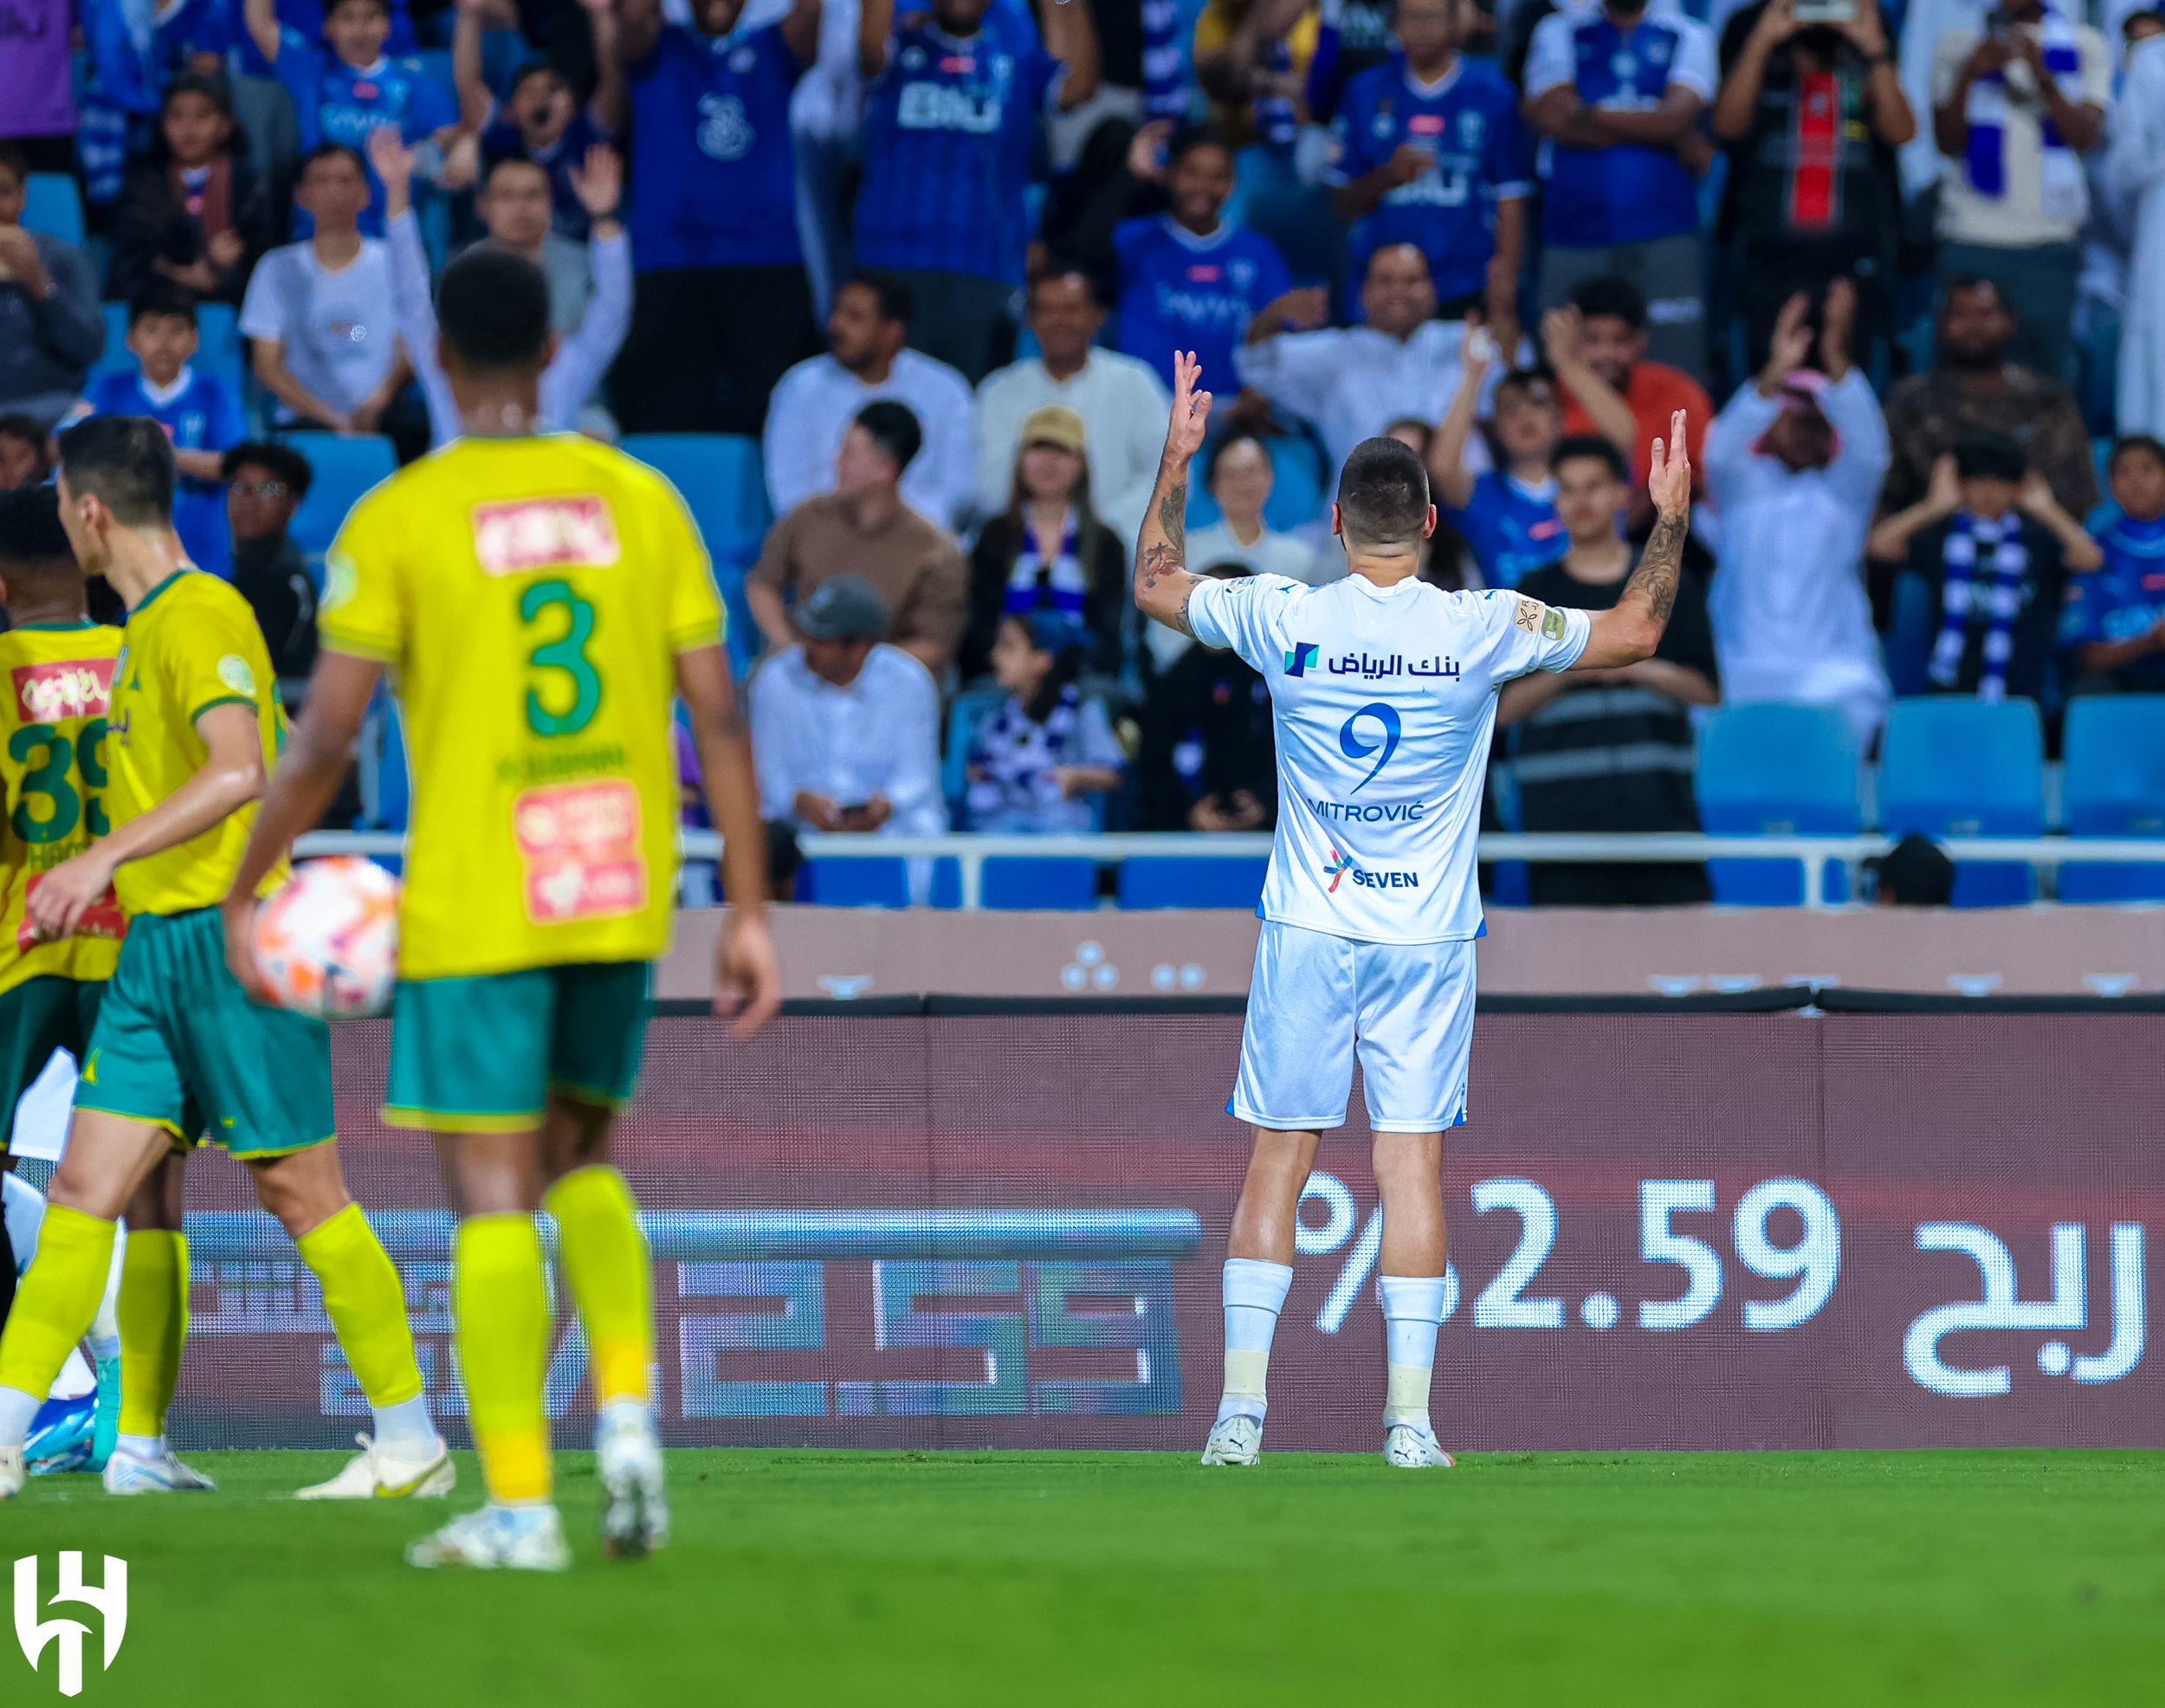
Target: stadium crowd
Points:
(935, 265)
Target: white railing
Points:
(970, 852)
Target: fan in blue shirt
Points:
(2114, 619)
(1430, 153)
(950, 122)
(1190, 279)
(346, 87)
(541, 119)
(201, 414)
(1352, 36)
(1619, 92)
(713, 179)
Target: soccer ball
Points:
(328, 943)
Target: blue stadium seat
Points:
(344, 466)
(855, 881)
(1064, 883)
(1958, 767)
(1775, 770)
(1213, 881)
(963, 717)
(723, 483)
(114, 357)
(53, 204)
(2112, 781)
(218, 346)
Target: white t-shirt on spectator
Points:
(878, 736)
(339, 329)
(1350, 383)
(1383, 701)
(2036, 206)
(814, 404)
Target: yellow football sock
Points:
(605, 1262)
(366, 1303)
(501, 1301)
(154, 1313)
(57, 1300)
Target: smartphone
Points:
(1825, 11)
(1480, 345)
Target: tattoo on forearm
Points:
(1172, 515)
(1659, 565)
(1159, 560)
(1181, 616)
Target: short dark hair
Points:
(15, 160)
(1989, 456)
(492, 308)
(283, 463)
(535, 68)
(1915, 873)
(496, 163)
(31, 530)
(126, 462)
(897, 301)
(1066, 267)
(331, 6)
(1241, 435)
(892, 427)
(1604, 452)
(168, 300)
(1189, 137)
(17, 425)
(1383, 494)
(212, 89)
(1975, 282)
(1613, 296)
(2147, 444)
(1525, 380)
(329, 151)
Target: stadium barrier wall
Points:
(961, 1225)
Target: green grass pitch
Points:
(1134, 1579)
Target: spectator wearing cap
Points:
(1617, 87)
(2015, 106)
(1209, 758)
(264, 485)
(1036, 759)
(866, 359)
(1982, 560)
(1975, 388)
(863, 528)
(1915, 873)
(1122, 402)
(1795, 465)
(1048, 551)
(845, 728)
(1613, 343)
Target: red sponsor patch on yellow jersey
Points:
(70, 687)
(530, 534)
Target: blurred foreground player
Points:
(542, 599)
(178, 1048)
(75, 1429)
(1383, 688)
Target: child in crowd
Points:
(194, 214)
(200, 413)
(1035, 760)
(541, 119)
(2113, 623)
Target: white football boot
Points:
(375, 1473)
(634, 1511)
(13, 1476)
(497, 1538)
(1238, 1440)
(125, 1474)
(1410, 1447)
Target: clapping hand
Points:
(598, 181)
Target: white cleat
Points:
(1237, 1440)
(635, 1509)
(374, 1473)
(1408, 1447)
(125, 1474)
(497, 1538)
(13, 1476)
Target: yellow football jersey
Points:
(531, 597)
(192, 644)
(59, 679)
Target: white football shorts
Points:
(1317, 1001)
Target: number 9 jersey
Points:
(58, 679)
(530, 598)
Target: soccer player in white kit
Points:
(1383, 689)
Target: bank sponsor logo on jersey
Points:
(1302, 654)
(72, 688)
(529, 534)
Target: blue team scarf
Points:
(1984, 159)
(1993, 550)
(1041, 583)
(1165, 84)
(1013, 757)
(1277, 122)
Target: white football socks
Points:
(16, 1409)
(406, 1430)
(1412, 1311)
(142, 1446)
(1255, 1293)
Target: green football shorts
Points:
(37, 1016)
(177, 1033)
(483, 1054)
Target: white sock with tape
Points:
(1412, 1311)
(1255, 1293)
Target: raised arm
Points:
(611, 104)
(1071, 38)
(875, 27)
(1633, 629)
(262, 18)
(1737, 100)
(1563, 341)
(1451, 485)
(476, 100)
(800, 30)
(1162, 581)
(638, 28)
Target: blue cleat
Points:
(61, 1431)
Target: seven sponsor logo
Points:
(1339, 867)
(1335, 868)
